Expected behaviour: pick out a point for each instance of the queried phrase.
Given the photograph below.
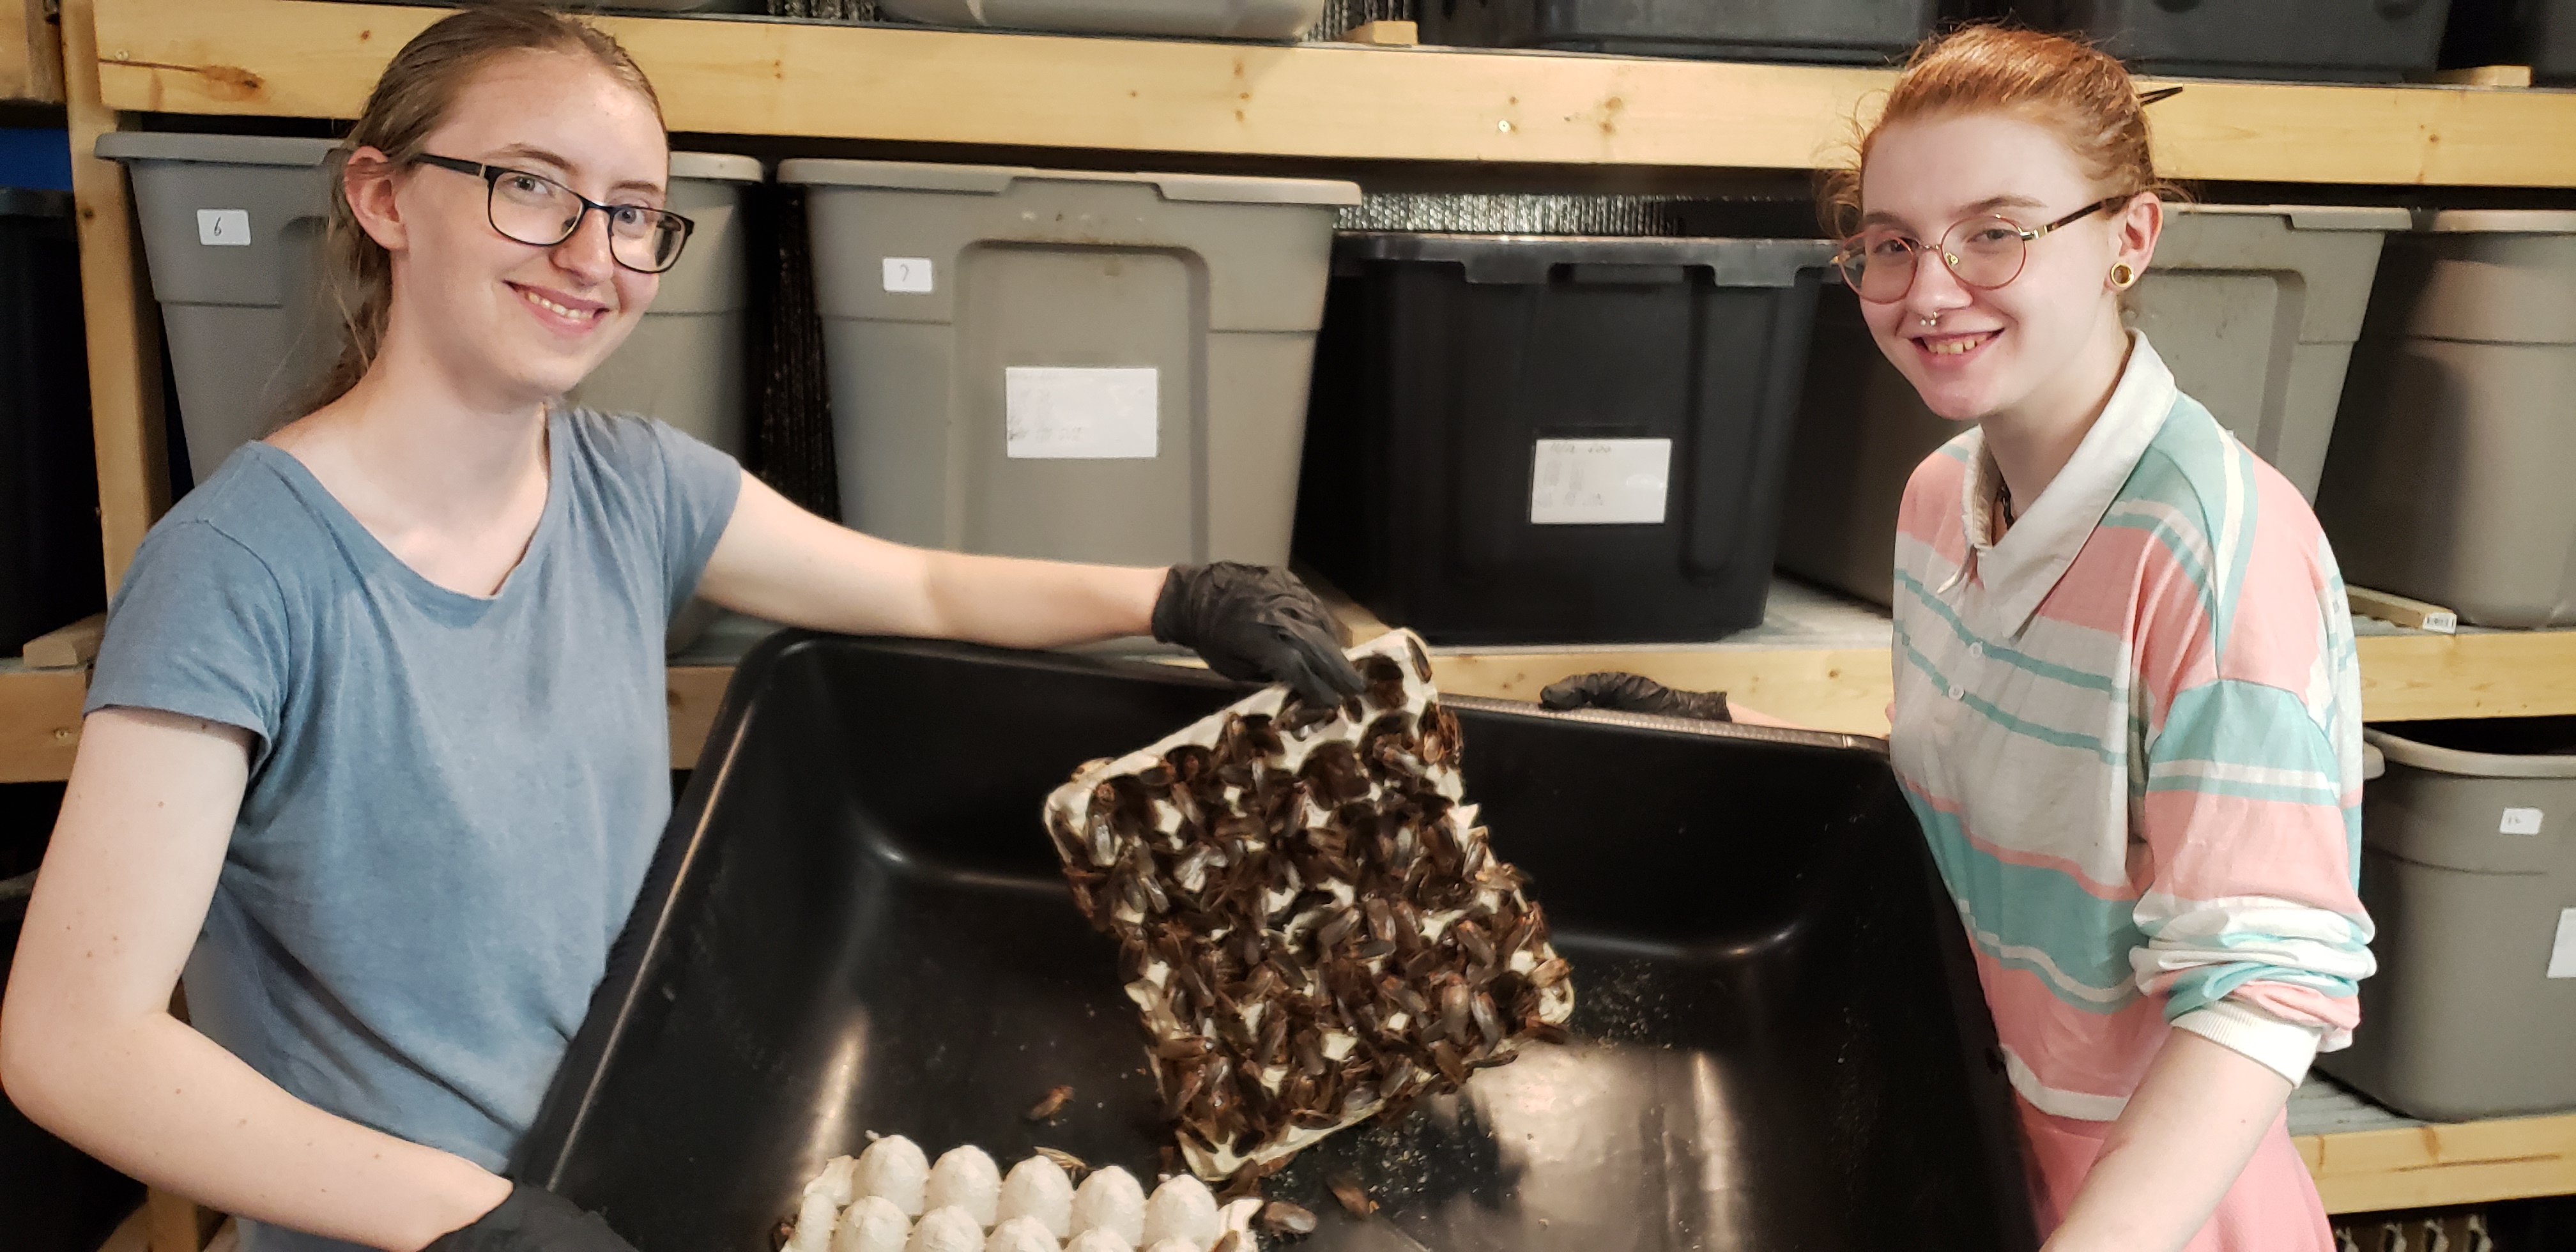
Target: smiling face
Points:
(2039, 341)
(514, 323)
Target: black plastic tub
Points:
(1848, 32)
(2537, 33)
(2297, 40)
(50, 572)
(53, 1198)
(855, 924)
(1484, 409)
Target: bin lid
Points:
(2309, 216)
(34, 202)
(2503, 222)
(141, 145)
(145, 145)
(993, 180)
(720, 167)
(2404, 751)
(1529, 258)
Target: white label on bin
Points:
(2562, 954)
(223, 228)
(908, 275)
(1595, 482)
(1080, 414)
(2520, 822)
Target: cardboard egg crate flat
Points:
(1313, 927)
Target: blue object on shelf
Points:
(41, 159)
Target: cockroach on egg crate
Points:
(1311, 922)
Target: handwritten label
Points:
(1599, 482)
(223, 228)
(1052, 413)
(909, 275)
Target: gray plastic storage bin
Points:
(2329, 40)
(1189, 19)
(2255, 308)
(1845, 31)
(233, 230)
(2454, 471)
(1080, 366)
(2469, 873)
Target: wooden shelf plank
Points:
(1846, 689)
(299, 58)
(2489, 674)
(2367, 1171)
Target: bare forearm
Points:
(163, 1103)
(779, 562)
(2185, 1136)
(1037, 604)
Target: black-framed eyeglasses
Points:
(1983, 252)
(534, 209)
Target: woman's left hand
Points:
(1254, 623)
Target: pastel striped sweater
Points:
(2131, 731)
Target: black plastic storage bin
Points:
(1838, 31)
(2537, 33)
(50, 571)
(2299, 40)
(856, 923)
(1474, 395)
(52, 1197)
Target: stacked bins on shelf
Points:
(50, 572)
(1844, 31)
(2450, 480)
(2255, 308)
(2319, 40)
(1184, 19)
(1079, 366)
(233, 230)
(1556, 440)
(2469, 873)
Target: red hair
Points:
(2079, 92)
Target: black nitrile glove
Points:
(1252, 623)
(533, 1220)
(1633, 693)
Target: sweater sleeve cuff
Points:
(2285, 1048)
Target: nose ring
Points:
(1933, 320)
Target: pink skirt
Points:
(2272, 1208)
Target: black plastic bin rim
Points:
(2440, 760)
(542, 1154)
(34, 202)
(1529, 258)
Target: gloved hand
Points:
(1252, 623)
(1633, 693)
(533, 1220)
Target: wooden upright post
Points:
(123, 326)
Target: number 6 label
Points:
(223, 228)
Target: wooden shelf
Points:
(299, 58)
(2367, 1160)
(1846, 688)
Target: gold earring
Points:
(2122, 276)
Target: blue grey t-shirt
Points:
(452, 800)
